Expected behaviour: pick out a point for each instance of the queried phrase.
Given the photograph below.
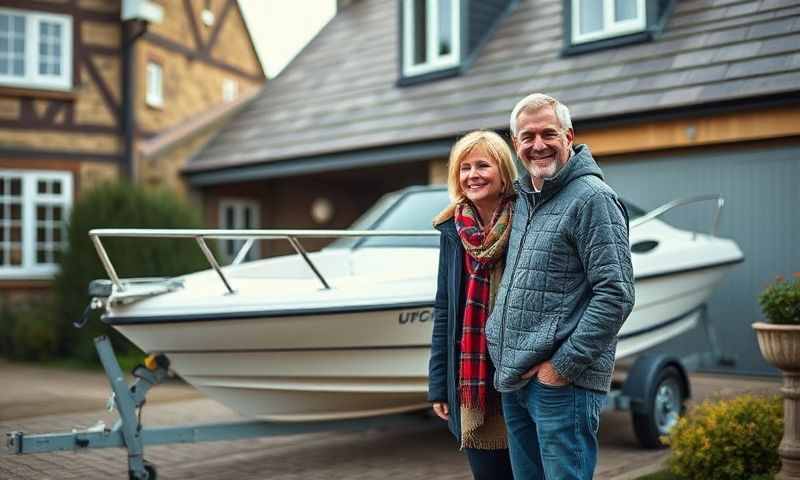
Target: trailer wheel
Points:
(149, 468)
(665, 404)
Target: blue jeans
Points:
(552, 431)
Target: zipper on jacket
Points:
(511, 280)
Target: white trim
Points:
(32, 78)
(154, 95)
(239, 206)
(434, 61)
(30, 200)
(610, 27)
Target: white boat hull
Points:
(359, 364)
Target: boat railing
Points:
(659, 211)
(250, 236)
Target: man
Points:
(566, 290)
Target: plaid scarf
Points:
(481, 423)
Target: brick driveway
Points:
(420, 449)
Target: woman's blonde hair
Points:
(490, 144)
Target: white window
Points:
(35, 49)
(598, 19)
(238, 214)
(155, 85)
(230, 89)
(33, 222)
(431, 35)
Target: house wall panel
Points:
(100, 5)
(189, 87)
(286, 202)
(176, 26)
(97, 33)
(233, 45)
(759, 181)
(164, 170)
(91, 106)
(54, 140)
(9, 108)
(91, 174)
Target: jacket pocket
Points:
(540, 337)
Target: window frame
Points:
(611, 28)
(152, 97)
(32, 78)
(30, 269)
(230, 90)
(239, 205)
(434, 61)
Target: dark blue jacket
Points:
(448, 313)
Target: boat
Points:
(345, 332)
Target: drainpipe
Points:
(135, 16)
(128, 110)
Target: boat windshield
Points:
(633, 211)
(412, 210)
(404, 210)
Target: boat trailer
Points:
(129, 433)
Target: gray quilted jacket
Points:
(568, 282)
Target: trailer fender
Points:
(645, 370)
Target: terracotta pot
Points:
(780, 346)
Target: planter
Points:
(780, 346)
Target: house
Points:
(675, 98)
(92, 90)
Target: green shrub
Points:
(728, 439)
(26, 330)
(780, 301)
(119, 205)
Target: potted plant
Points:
(779, 342)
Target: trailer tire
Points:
(149, 468)
(665, 403)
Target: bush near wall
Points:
(26, 328)
(118, 205)
(728, 439)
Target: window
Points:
(155, 88)
(33, 222)
(236, 214)
(599, 19)
(35, 49)
(431, 35)
(230, 89)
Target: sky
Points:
(280, 28)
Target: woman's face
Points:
(479, 178)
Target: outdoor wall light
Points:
(321, 210)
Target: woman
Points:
(475, 228)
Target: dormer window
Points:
(599, 24)
(431, 36)
(598, 19)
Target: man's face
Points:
(541, 143)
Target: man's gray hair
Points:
(534, 102)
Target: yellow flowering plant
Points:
(728, 439)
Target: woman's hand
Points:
(441, 410)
